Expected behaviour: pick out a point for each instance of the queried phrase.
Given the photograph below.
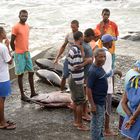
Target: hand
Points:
(77, 67)
(56, 61)
(129, 124)
(118, 72)
(93, 109)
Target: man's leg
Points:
(65, 75)
(86, 112)
(20, 84)
(107, 131)
(2, 119)
(79, 112)
(98, 123)
(63, 83)
(31, 82)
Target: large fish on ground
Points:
(44, 63)
(53, 99)
(49, 76)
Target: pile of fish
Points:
(53, 99)
(49, 71)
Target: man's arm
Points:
(125, 105)
(90, 98)
(88, 60)
(13, 37)
(61, 51)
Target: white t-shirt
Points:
(4, 58)
(70, 39)
(108, 67)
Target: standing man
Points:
(97, 90)
(107, 26)
(69, 41)
(19, 44)
(88, 59)
(107, 44)
(76, 81)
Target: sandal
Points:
(10, 122)
(86, 118)
(110, 133)
(83, 128)
(8, 127)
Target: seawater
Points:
(50, 19)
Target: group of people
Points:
(89, 68)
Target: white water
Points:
(50, 19)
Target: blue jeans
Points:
(97, 122)
(65, 69)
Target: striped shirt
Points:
(75, 58)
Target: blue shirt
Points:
(97, 82)
(88, 53)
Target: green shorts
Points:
(77, 92)
(23, 63)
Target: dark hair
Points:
(1, 29)
(77, 35)
(97, 51)
(75, 22)
(23, 11)
(105, 10)
(89, 32)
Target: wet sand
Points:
(37, 123)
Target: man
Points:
(88, 59)
(23, 62)
(107, 44)
(97, 90)
(76, 81)
(107, 26)
(69, 41)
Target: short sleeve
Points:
(91, 79)
(66, 38)
(6, 55)
(14, 30)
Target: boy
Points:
(5, 88)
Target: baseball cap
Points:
(107, 38)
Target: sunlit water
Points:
(50, 19)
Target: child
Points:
(5, 89)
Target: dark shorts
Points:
(65, 69)
(77, 92)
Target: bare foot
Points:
(25, 99)
(32, 95)
(110, 133)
